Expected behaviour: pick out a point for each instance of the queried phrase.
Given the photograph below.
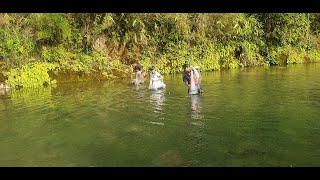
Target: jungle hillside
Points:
(39, 49)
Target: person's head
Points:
(186, 67)
(152, 69)
(134, 63)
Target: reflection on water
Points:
(31, 96)
(157, 99)
(196, 107)
(135, 87)
(196, 140)
(138, 91)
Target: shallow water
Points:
(246, 117)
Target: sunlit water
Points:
(246, 117)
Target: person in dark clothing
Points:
(186, 75)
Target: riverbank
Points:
(68, 76)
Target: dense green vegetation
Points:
(31, 45)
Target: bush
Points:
(31, 75)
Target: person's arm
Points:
(155, 78)
(185, 80)
(160, 77)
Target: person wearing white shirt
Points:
(156, 79)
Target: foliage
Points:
(15, 41)
(31, 75)
(50, 28)
(101, 42)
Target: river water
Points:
(246, 117)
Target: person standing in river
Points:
(191, 75)
(137, 75)
(156, 79)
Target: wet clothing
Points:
(187, 79)
(155, 75)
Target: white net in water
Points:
(156, 81)
(195, 79)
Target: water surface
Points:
(246, 117)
